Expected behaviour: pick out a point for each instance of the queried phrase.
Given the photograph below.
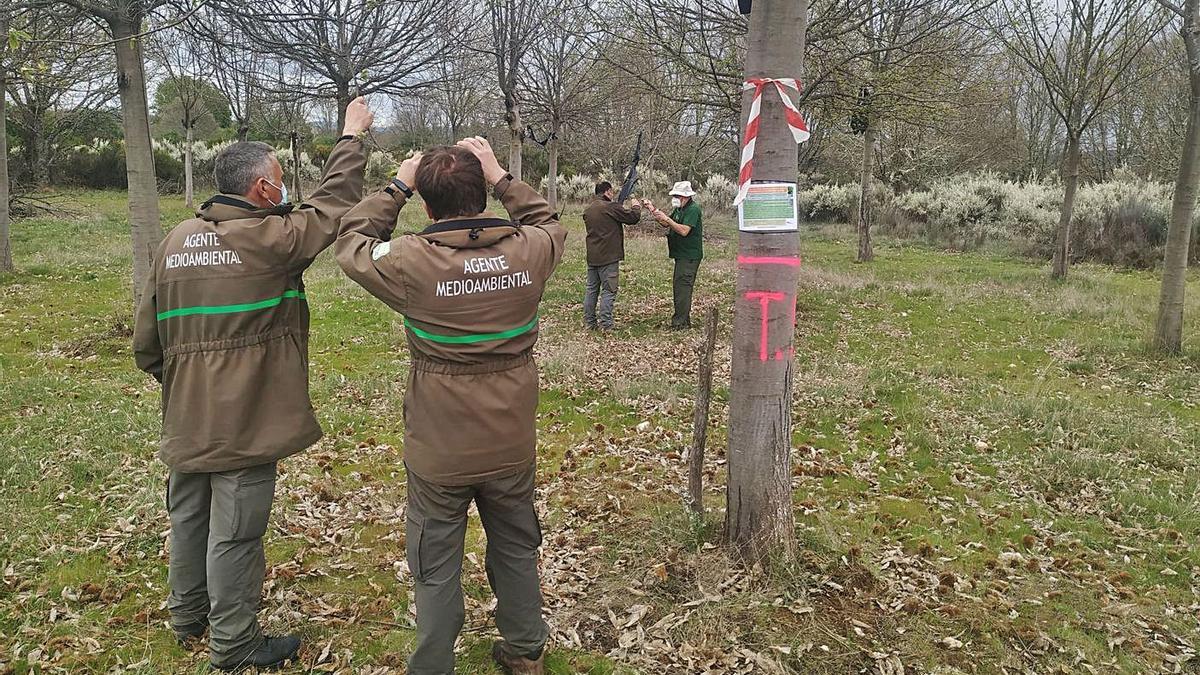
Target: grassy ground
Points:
(991, 475)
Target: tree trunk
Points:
(700, 417)
(6, 262)
(1168, 333)
(516, 133)
(188, 186)
(343, 101)
(552, 169)
(1070, 176)
(243, 131)
(297, 194)
(866, 194)
(144, 219)
(759, 524)
(37, 149)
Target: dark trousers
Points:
(436, 529)
(603, 281)
(217, 562)
(682, 285)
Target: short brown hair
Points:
(450, 180)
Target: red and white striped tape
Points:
(794, 120)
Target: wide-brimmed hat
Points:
(682, 189)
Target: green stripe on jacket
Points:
(471, 338)
(231, 309)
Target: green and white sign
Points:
(769, 207)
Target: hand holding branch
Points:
(358, 117)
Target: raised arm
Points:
(312, 226)
(364, 240)
(628, 216)
(524, 204)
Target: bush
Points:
(100, 165)
(380, 168)
(169, 171)
(828, 202)
(717, 193)
(1122, 221)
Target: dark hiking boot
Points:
(272, 653)
(515, 664)
(189, 635)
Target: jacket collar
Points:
(473, 232)
(223, 207)
(472, 223)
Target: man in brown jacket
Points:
(223, 324)
(468, 286)
(605, 221)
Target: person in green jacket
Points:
(685, 245)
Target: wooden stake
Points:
(700, 421)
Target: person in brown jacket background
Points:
(469, 286)
(223, 325)
(605, 221)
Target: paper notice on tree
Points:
(769, 207)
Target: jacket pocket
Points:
(537, 524)
(252, 507)
(414, 532)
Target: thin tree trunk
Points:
(1070, 176)
(700, 418)
(297, 194)
(243, 131)
(1168, 332)
(6, 262)
(516, 133)
(552, 170)
(188, 186)
(866, 193)
(343, 102)
(759, 524)
(144, 219)
(38, 150)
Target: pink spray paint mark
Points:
(764, 299)
(768, 260)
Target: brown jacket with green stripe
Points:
(223, 323)
(469, 290)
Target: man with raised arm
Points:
(223, 325)
(469, 286)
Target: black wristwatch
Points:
(398, 184)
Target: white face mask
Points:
(283, 198)
(676, 202)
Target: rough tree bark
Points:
(866, 193)
(6, 263)
(700, 416)
(188, 184)
(343, 98)
(552, 167)
(297, 194)
(1168, 333)
(37, 151)
(144, 219)
(758, 519)
(516, 133)
(1070, 177)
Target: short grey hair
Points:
(238, 166)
